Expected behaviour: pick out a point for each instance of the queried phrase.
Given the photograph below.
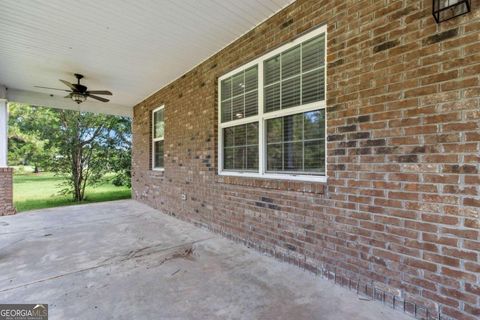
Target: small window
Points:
(158, 132)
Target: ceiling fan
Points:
(79, 92)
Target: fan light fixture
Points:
(78, 97)
(78, 92)
(444, 10)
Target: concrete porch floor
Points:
(125, 260)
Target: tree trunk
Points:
(77, 170)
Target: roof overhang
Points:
(132, 48)
(42, 99)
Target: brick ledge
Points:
(276, 184)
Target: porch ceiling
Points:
(130, 48)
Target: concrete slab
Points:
(124, 260)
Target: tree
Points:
(85, 146)
(88, 146)
(27, 143)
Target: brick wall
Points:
(6, 192)
(401, 205)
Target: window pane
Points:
(293, 128)
(228, 158)
(291, 62)
(237, 108)
(228, 137)
(241, 147)
(293, 156)
(239, 158)
(238, 84)
(275, 130)
(226, 91)
(274, 157)
(272, 97)
(251, 79)
(314, 154)
(291, 92)
(251, 103)
(252, 133)
(313, 86)
(272, 70)
(314, 123)
(158, 154)
(226, 110)
(313, 53)
(240, 135)
(158, 124)
(296, 143)
(252, 158)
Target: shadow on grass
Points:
(59, 201)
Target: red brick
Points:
(401, 199)
(6, 192)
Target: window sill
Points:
(306, 184)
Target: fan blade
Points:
(99, 92)
(51, 88)
(68, 84)
(97, 98)
(68, 96)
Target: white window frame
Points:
(158, 139)
(262, 117)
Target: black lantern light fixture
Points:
(444, 10)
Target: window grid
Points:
(262, 117)
(282, 143)
(244, 146)
(300, 75)
(232, 97)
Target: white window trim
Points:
(261, 118)
(158, 139)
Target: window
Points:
(272, 113)
(158, 132)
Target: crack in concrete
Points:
(132, 254)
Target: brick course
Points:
(401, 205)
(6, 192)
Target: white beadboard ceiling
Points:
(131, 48)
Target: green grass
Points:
(36, 191)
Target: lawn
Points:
(35, 191)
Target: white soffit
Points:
(131, 48)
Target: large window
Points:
(158, 132)
(272, 113)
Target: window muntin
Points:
(158, 134)
(239, 95)
(289, 91)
